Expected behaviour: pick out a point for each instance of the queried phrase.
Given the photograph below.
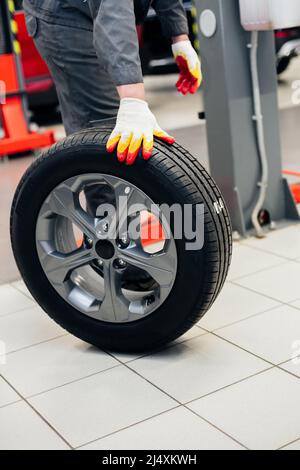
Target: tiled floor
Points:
(232, 382)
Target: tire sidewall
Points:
(148, 177)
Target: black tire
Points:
(171, 175)
(282, 65)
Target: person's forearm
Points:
(136, 91)
(181, 37)
(172, 17)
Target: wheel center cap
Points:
(105, 249)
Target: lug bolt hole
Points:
(124, 242)
(88, 242)
(119, 264)
(150, 300)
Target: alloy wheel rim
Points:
(91, 276)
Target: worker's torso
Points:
(76, 12)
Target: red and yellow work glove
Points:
(189, 65)
(135, 130)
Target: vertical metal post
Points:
(232, 140)
(4, 49)
(10, 45)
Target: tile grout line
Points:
(289, 302)
(253, 316)
(177, 401)
(142, 377)
(120, 363)
(259, 357)
(214, 333)
(28, 296)
(23, 399)
(15, 312)
(156, 416)
(34, 305)
(271, 252)
(191, 339)
(166, 347)
(205, 330)
(66, 333)
(272, 366)
(34, 345)
(29, 397)
(128, 427)
(182, 404)
(22, 309)
(245, 350)
(288, 371)
(230, 385)
(11, 403)
(283, 262)
(289, 360)
(215, 427)
(290, 443)
(240, 321)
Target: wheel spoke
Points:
(160, 267)
(128, 202)
(65, 202)
(114, 307)
(58, 266)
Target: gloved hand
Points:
(135, 128)
(189, 65)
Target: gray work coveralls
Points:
(91, 47)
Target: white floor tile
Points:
(177, 429)
(26, 328)
(7, 394)
(22, 429)
(293, 366)
(261, 412)
(96, 406)
(270, 335)
(52, 364)
(197, 367)
(192, 333)
(296, 304)
(284, 242)
(294, 446)
(247, 260)
(21, 286)
(281, 283)
(235, 303)
(13, 300)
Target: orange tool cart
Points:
(15, 133)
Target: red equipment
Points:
(295, 188)
(13, 105)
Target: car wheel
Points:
(116, 291)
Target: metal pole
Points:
(231, 130)
(12, 46)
